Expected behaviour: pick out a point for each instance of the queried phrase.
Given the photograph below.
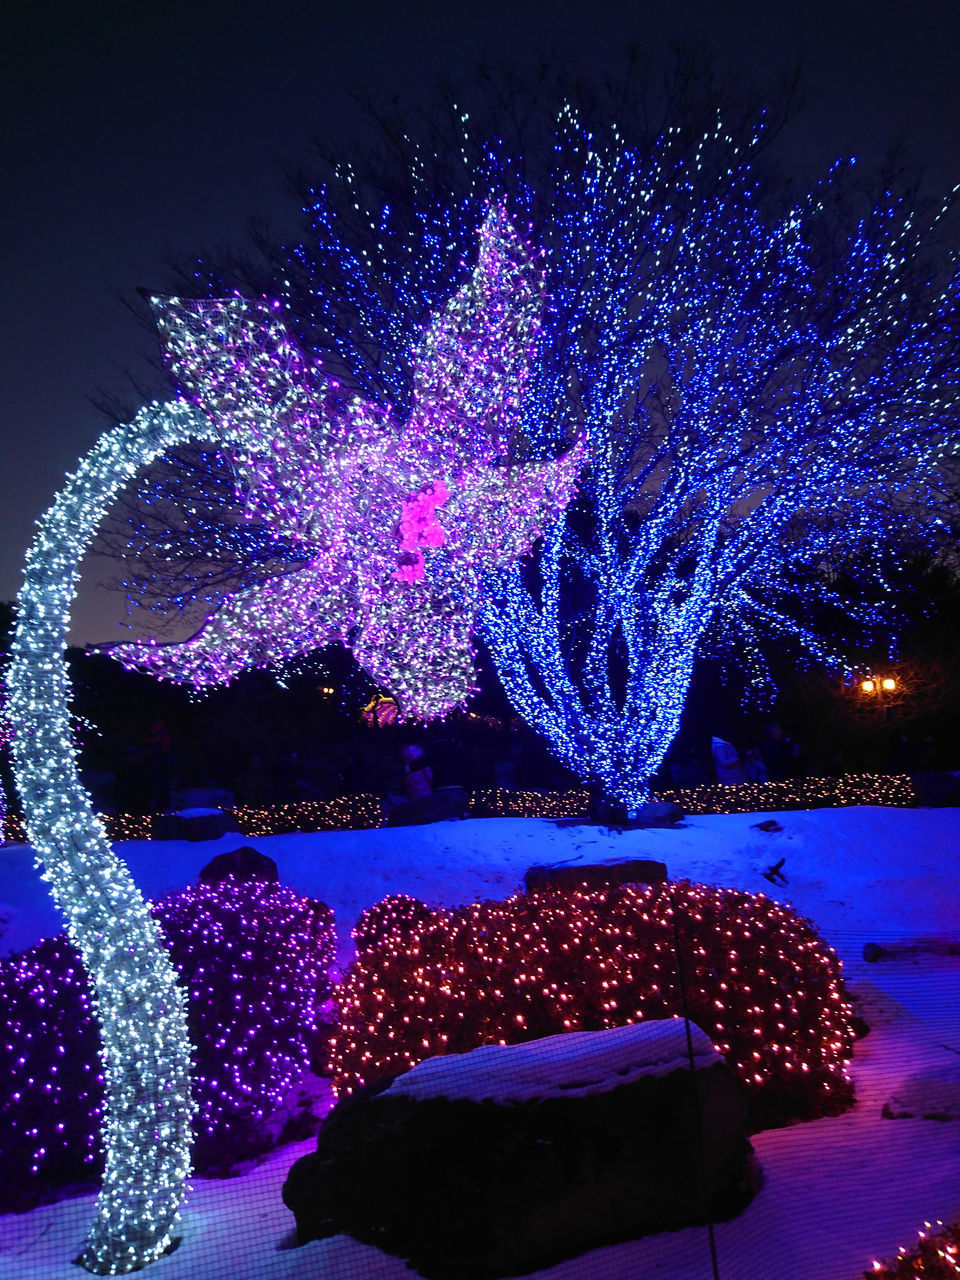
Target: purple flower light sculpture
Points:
(399, 520)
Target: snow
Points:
(837, 1192)
(874, 870)
(567, 1066)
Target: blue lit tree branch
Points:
(758, 412)
(140, 1007)
(768, 389)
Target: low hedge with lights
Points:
(935, 1256)
(360, 812)
(895, 790)
(254, 957)
(757, 978)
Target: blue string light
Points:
(766, 388)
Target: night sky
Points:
(138, 129)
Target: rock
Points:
(447, 802)
(192, 824)
(656, 813)
(511, 1158)
(933, 1093)
(910, 948)
(876, 1007)
(570, 874)
(245, 863)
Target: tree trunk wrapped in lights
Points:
(140, 1007)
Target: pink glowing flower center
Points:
(419, 527)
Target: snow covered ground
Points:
(838, 1192)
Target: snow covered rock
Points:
(910, 948)
(510, 1158)
(193, 824)
(933, 1093)
(568, 875)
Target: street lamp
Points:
(874, 684)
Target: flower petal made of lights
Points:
(402, 520)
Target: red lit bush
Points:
(935, 1256)
(757, 978)
(394, 916)
(254, 957)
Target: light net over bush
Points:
(935, 1256)
(254, 957)
(758, 979)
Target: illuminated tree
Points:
(767, 389)
(335, 474)
(389, 224)
(791, 376)
(765, 384)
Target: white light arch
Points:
(139, 1005)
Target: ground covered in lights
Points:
(837, 1192)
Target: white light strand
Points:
(140, 1007)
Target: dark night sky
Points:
(143, 127)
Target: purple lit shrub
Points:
(51, 1085)
(255, 959)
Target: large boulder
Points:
(192, 824)
(245, 863)
(569, 875)
(511, 1158)
(932, 1093)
